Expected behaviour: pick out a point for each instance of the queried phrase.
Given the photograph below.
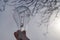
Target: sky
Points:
(34, 30)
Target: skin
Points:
(20, 35)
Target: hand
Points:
(20, 35)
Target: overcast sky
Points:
(34, 30)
